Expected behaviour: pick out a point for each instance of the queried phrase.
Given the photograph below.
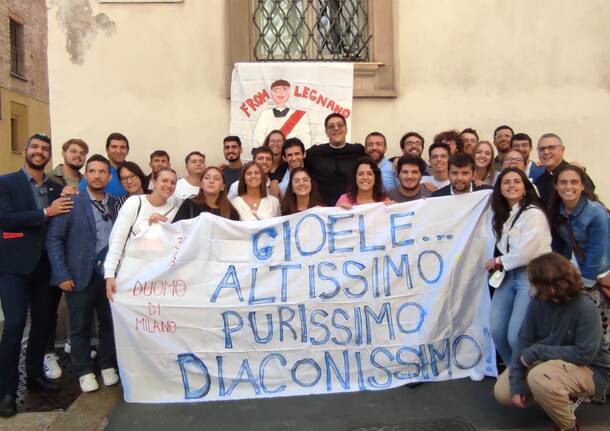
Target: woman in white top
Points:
(252, 201)
(135, 215)
(522, 232)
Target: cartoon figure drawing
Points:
(294, 123)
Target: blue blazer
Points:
(71, 243)
(22, 224)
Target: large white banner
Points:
(294, 97)
(321, 301)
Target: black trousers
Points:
(56, 293)
(81, 306)
(18, 293)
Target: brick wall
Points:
(33, 15)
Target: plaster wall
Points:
(157, 72)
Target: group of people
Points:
(66, 232)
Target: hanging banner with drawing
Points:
(318, 302)
(294, 97)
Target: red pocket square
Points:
(11, 235)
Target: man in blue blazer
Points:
(28, 199)
(78, 243)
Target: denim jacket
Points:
(589, 222)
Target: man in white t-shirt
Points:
(264, 157)
(438, 155)
(190, 185)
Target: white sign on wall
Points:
(294, 97)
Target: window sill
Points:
(20, 77)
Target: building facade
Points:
(24, 87)
(159, 71)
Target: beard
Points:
(73, 166)
(34, 166)
(232, 157)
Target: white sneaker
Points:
(93, 354)
(477, 376)
(67, 347)
(51, 368)
(88, 383)
(110, 376)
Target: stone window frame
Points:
(17, 70)
(376, 78)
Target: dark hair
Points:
(116, 136)
(280, 83)
(554, 278)
(554, 210)
(521, 137)
(378, 134)
(222, 202)
(39, 136)
(502, 127)
(410, 160)
(461, 160)
(334, 115)
(273, 132)
(500, 207)
(292, 142)
(407, 135)
(259, 150)
(470, 130)
(134, 169)
(159, 153)
(75, 141)
(242, 188)
(289, 201)
(155, 175)
(352, 189)
(194, 153)
(450, 135)
(232, 138)
(97, 158)
(436, 145)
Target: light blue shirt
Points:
(388, 178)
(102, 227)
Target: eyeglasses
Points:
(549, 148)
(414, 143)
(337, 126)
(514, 160)
(129, 177)
(439, 157)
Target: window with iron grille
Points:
(301, 30)
(17, 50)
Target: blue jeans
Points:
(508, 309)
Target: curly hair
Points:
(554, 278)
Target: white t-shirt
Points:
(184, 189)
(127, 217)
(431, 180)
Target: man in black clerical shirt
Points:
(332, 164)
